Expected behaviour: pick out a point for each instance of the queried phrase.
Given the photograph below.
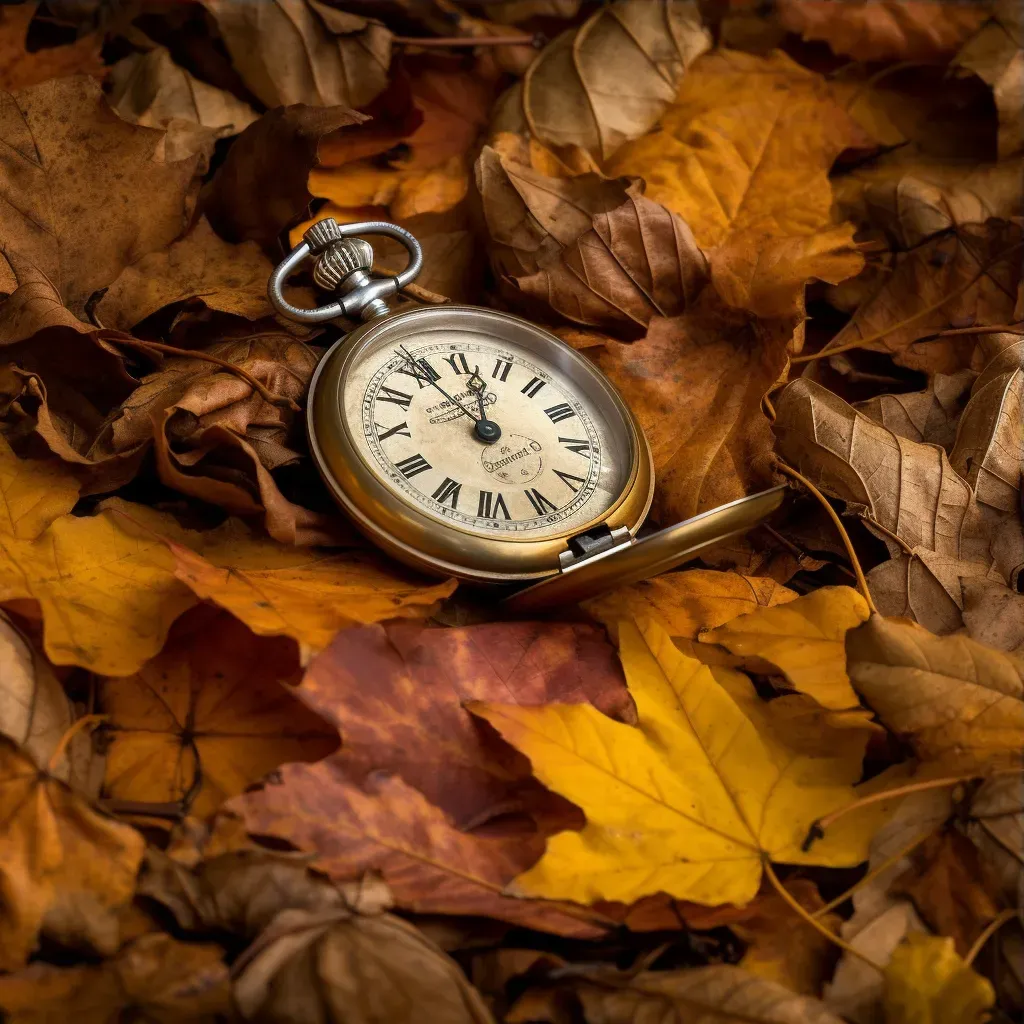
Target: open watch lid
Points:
(619, 561)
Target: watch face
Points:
(502, 439)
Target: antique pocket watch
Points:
(468, 442)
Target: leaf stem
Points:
(813, 922)
(76, 727)
(879, 335)
(862, 583)
(817, 829)
(990, 929)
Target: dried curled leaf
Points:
(87, 196)
(154, 977)
(884, 29)
(304, 51)
(207, 717)
(61, 862)
(20, 67)
(594, 251)
(689, 803)
(955, 701)
(573, 95)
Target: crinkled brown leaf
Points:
(592, 250)
(304, 51)
(917, 30)
(208, 716)
(20, 68)
(704, 995)
(60, 859)
(155, 978)
(954, 701)
(993, 614)
(995, 824)
(994, 54)
(573, 94)
(357, 968)
(261, 187)
(713, 447)
(397, 693)
(86, 194)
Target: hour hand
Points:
(486, 430)
(429, 378)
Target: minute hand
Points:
(419, 376)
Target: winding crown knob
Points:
(341, 259)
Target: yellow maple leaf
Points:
(804, 639)
(743, 156)
(691, 802)
(926, 982)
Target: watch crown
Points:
(340, 259)
(321, 234)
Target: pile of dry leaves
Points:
(252, 770)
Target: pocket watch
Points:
(468, 442)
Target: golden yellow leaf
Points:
(689, 803)
(743, 156)
(955, 700)
(684, 603)
(59, 860)
(926, 982)
(804, 639)
(303, 593)
(207, 717)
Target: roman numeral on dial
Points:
(490, 505)
(448, 491)
(539, 502)
(402, 430)
(458, 363)
(501, 368)
(572, 481)
(577, 445)
(399, 398)
(557, 413)
(411, 466)
(424, 375)
(533, 387)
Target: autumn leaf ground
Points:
(252, 769)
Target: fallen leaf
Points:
(22, 68)
(261, 187)
(389, 828)
(927, 417)
(803, 639)
(742, 155)
(705, 995)
(954, 701)
(948, 888)
(926, 981)
(712, 448)
(151, 90)
(572, 94)
(304, 51)
(684, 603)
(359, 968)
(208, 716)
(59, 859)
(884, 29)
(397, 692)
(595, 251)
(668, 809)
(995, 824)
(307, 595)
(86, 196)
(198, 266)
(155, 978)
(430, 171)
(994, 55)
(931, 290)
(993, 615)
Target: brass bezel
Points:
(420, 540)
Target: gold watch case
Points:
(398, 526)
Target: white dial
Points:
(484, 434)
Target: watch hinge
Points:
(599, 541)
